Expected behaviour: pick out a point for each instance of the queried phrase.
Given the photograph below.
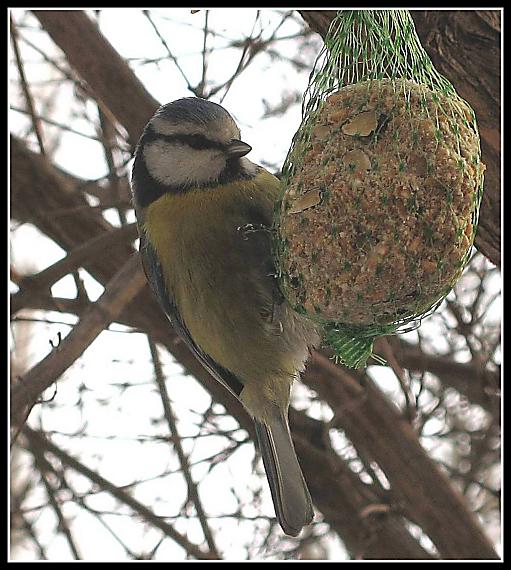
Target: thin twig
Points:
(66, 73)
(26, 90)
(29, 528)
(43, 466)
(141, 510)
(169, 53)
(247, 55)
(201, 88)
(43, 280)
(410, 403)
(108, 136)
(122, 288)
(193, 492)
(56, 124)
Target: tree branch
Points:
(38, 439)
(345, 501)
(24, 85)
(193, 492)
(43, 466)
(119, 291)
(418, 486)
(42, 281)
(107, 74)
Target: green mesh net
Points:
(382, 186)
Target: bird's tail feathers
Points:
(293, 504)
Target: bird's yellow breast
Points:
(213, 273)
(208, 203)
(202, 221)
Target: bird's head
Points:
(190, 142)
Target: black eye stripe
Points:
(198, 142)
(195, 141)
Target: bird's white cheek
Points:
(173, 164)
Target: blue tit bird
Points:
(204, 213)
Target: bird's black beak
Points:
(237, 149)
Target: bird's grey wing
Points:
(257, 237)
(156, 280)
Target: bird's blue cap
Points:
(193, 110)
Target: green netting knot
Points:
(351, 346)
